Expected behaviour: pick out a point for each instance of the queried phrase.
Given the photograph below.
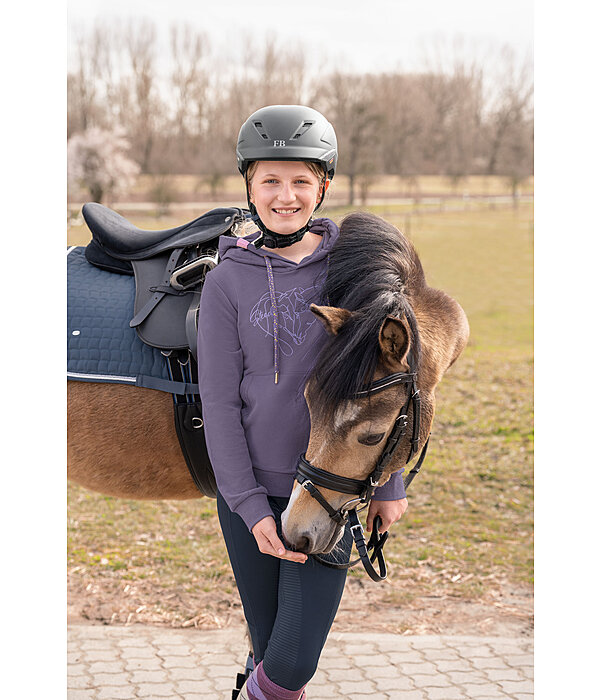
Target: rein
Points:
(309, 477)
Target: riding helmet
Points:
(287, 132)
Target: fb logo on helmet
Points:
(278, 144)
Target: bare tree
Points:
(348, 103)
(139, 102)
(189, 82)
(86, 103)
(401, 101)
(511, 107)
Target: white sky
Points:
(370, 35)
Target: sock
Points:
(261, 687)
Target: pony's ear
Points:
(333, 318)
(394, 341)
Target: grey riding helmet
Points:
(286, 132)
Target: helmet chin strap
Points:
(272, 239)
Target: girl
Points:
(256, 345)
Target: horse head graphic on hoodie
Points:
(295, 316)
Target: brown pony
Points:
(381, 313)
(383, 318)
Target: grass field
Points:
(468, 534)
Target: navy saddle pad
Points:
(101, 347)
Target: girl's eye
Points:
(371, 438)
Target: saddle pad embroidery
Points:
(101, 347)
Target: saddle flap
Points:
(163, 326)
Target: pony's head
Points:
(373, 278)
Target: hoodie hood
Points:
(244, 251)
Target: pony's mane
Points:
(371, 270)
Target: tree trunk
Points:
(96, 193)
(351, 182)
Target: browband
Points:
(385, 382)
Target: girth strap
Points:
(191, 324)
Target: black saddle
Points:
(169, 268)
(121, 239)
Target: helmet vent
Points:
(259, 127)
(302, 129)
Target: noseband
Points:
(310, 477)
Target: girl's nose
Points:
(287, 194)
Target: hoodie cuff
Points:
(392, 490)
(253, 509)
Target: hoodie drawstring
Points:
(275, 317)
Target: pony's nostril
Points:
(303, 545)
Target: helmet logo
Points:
(278, 144)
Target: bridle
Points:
(310, 477)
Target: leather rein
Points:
(310, 477)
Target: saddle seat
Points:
(122, 240)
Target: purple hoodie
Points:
(255, 325)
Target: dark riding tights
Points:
(289, 607)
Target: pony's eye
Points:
(371, 438)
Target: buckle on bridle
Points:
(355, 501)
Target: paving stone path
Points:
(139, 661)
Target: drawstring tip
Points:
(276, 377)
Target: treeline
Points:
(453, 118)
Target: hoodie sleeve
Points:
(392, 490)
(220, 367)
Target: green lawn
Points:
(469, 528)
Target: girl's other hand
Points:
(389, 511)
(265, 534)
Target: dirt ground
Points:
(506, 613)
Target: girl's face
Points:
(285, 194)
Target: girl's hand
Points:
(265, 534)
(389, 511)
